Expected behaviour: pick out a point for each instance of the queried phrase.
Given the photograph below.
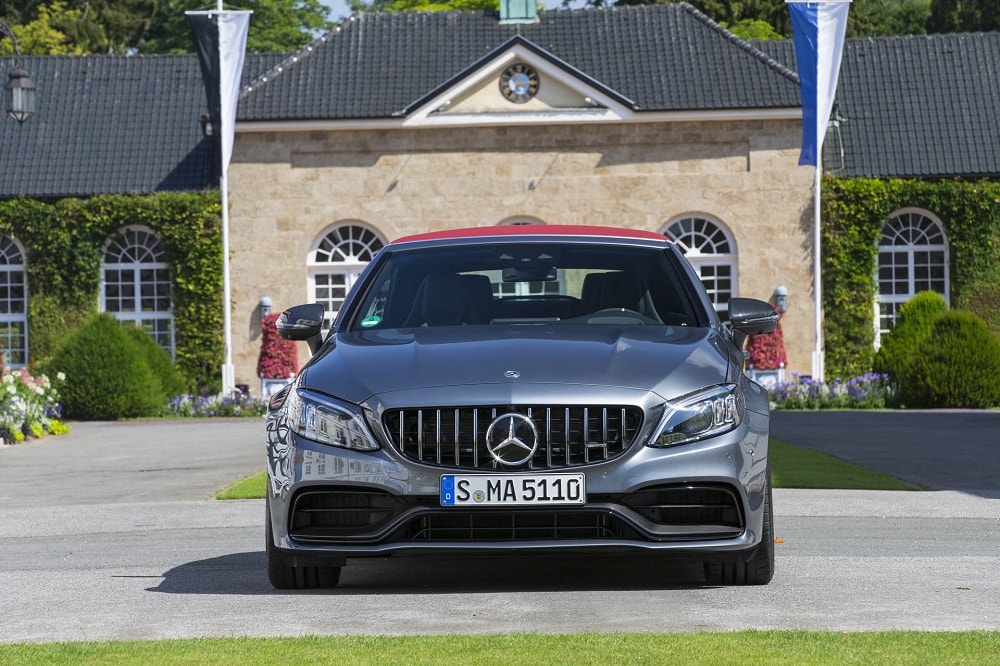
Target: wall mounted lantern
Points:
(781, 298)
(19, 93)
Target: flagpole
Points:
(818, 30)
(817, 355)
(228, 369)
(220, 37)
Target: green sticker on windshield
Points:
(368, 322)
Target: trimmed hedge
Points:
(913, 324)
(107, 377)
(957, 364)
(158, 361)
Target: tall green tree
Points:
(867, 18)
(423, 5)
(964, 16)
(41, 37)
(152, 26)
(88, 26)
(276, 25)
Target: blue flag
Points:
(818, 31)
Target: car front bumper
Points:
(703, 500)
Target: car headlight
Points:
(327, 421)
(700, 415)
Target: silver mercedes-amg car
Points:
(522, 389)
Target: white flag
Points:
(222, 41)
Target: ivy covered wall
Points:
(853, 212)
(64, 239)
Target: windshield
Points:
(528, 283)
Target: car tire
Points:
(285, 576)
(759, 569)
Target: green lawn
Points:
(743, 647)
(791, 467)
(795, 467)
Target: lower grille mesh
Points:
(513, 526)
(652, 514)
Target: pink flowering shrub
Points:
(279, 358)
(767, 350)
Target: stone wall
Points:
(288, 188)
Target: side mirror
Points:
(302, 322)
(750, 316)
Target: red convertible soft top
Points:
(535, 229)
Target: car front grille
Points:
(667, 513)
(569, 436)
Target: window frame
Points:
(701, 259)
(138, 316)
(11, 264)
(910, 250)
(322, 263)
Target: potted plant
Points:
(278, 360)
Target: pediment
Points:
(549, 91)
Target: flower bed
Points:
(871, 391)
(29, 406)
(211, 406)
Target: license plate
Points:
(512, 490)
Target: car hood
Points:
(670, 361)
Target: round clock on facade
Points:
(519, 83)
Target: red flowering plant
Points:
(279, 358)
(767, 350)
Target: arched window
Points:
(137, 284)
(710, 248)
(13, 304)
(912, 257)
(335, 262)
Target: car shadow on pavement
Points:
(246, 574)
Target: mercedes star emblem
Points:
(512, 439)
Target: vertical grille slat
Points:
(548, 437)
(569, 436)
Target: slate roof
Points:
(661, 57)
(916, 106)
(110, 124)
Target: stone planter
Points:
(769, 379)
(269, 387)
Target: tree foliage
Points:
(150, 26)
(79, 26)
(867, 18)
(41, 36)
(276, 25)
(963, 16)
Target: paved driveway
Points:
(132, 461)
(106, 533)
(940, 450)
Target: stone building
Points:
(645, 117)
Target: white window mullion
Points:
(136, 286)
(336, 261)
